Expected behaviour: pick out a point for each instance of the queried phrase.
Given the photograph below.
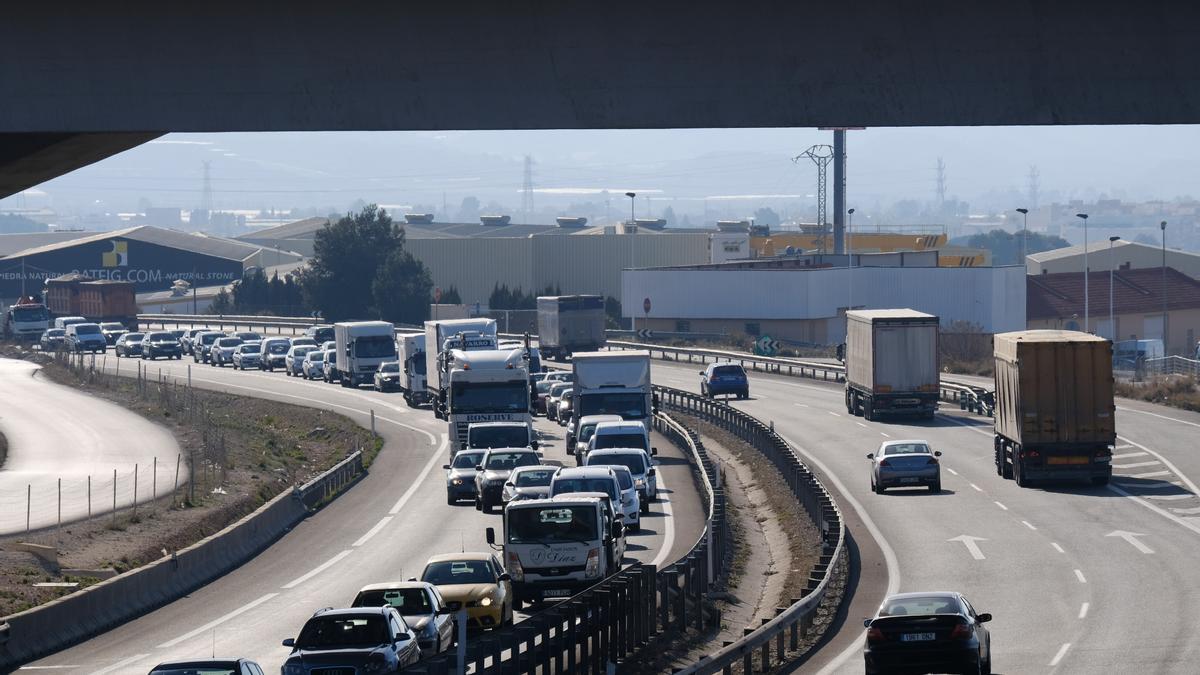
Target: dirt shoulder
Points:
(1176, 391)
(244, 450)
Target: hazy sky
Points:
(987, 166)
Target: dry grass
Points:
(1176, 391)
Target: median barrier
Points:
(92, 610)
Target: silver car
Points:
(905, 464)
(528, 482)
(423, 609)
(460, 475)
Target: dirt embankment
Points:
(244, 452)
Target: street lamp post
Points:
(1087, 325)
(1112, 323)
(1024, 234)
(632, 217)
(1163, 227)
(849, 259)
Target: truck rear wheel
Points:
(1018, 472)
(868, 410)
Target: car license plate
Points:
(909, 479)
(917, 637)
(1066, 460)
(556, 593)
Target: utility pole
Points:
(849, 262)
(1163, 227)
(1024, 235)
(1112, 323)
(1086, 315)
(632, 197)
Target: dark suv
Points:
(358, 640)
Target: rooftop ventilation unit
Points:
(495, 221)
(733, 225)
(571, 221)
(419, 218)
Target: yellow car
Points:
(475, 581)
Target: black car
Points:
(209, 667)
(359, 640)
(161, 343)
(129, 344)
(928, 633)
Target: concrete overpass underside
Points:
(80, 80)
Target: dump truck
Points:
(1054, 406)
(99, 300)
(891, 363)
(569, 324)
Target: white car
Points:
(423, 609)
(599, 479)
(246, 356)
(293, 363)
(221, 352)
(273, 353)
(639, 465)
(314, 364)
(587, 427)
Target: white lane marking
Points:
(120, 664)
(833, 413)
(854, 649)
(1187, 512)
(218, 621)
(802, 405)
(1000, 505)
(664, 551)
(412, 489)
(972, 544)
(884, 435)
(47, 667)
(374, 530)
(1143, 412)
(1191, 486)
(1132, 538)
(1126, 455)
(1151, 474)
(318, 569)
(952, 471)
(1167, 498)
(1123, 446)
(1080, 577)
(1028, 524)
(1083, 609)
(1062, 651)
(976, 487)
(1057, 547)
(1135, 465)
(861, 425)
(1156, 485)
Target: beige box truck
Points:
(1054, 406)
(892, 363)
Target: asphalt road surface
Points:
(55, 434)
(383, 529)
(1080, 579)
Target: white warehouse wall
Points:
(992, 297)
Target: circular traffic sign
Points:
(646, 305)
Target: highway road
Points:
(1080, 579)
(57, 433)
(383, 529)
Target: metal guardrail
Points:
(1172, 365)
(331, 482)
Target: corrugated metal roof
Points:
(306, 228)
(1050, 296)
(1101, 246)
(12, 243)
(204, 244)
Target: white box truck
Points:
(467, 334)
(489, 385)
(613, 383)
(555, 548)
(412, 368)
(892, 363)
(361, 347)
(569, 324)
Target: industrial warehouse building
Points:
(152, 258)
(1125, 255)
(475, 257)
(804, 298)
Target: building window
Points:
(753, 329)
(683, 326)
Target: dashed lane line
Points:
(884, 435)
(218, 621)
(1000, 505)
(952, 471)
(317, 570)
(1083, 610)
(1028, 524)
(1079, 575)
(1057, 547)
(976, 487)
(1062, 651)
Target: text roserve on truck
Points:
(485, 386)
(613, 383)
(361, 347)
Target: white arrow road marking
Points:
(1132, 538)
(971, 544)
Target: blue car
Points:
(724, 378)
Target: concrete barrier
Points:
(75, 617)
